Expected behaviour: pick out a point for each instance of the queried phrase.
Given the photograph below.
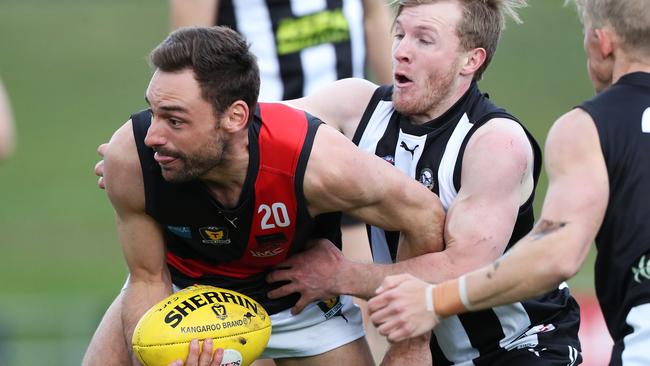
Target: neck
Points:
(226, 180)
(625, 64)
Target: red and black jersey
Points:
(235, 248)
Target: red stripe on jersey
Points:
(281, 140)
(282, 135)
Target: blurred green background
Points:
(75, 70)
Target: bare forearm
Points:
(138, 298)
(362, 279)
(527, 271)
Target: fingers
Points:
(217, 358)
(300, 305)
(101, 149)
(379, 302)
(392, 281)
(282, 291)
(99, 171)
(206, 353)
(277, 275)
(193, 356)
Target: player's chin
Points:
(405, 104)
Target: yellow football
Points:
(237, 323)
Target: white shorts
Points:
(320, 327)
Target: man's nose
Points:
(155, 135)
(402, 50)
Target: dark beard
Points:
(196, 166)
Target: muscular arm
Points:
(340, 177)
(574, 208)
(378, 41)
(140, 236)
(551, 253)
(481, 219)
(193, 12)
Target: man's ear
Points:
(473, 60)
(235, 117)
(605, 40)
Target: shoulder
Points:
(500, 134)
(123, 174)
(573, 130)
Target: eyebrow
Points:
(168, 108)
(422, 27)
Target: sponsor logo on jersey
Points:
(426, 178)
(404, 146)
(214, 235)
(331, 307)
(267, 252)
(182, 231)
(642, 270)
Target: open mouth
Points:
(401, 79)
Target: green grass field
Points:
(75, 70)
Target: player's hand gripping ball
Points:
(235, 322)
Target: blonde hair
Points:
(481, 25)
(630, 19)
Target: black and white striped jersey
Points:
(622, 117)
(432, 153)
(300, 45)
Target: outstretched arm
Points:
(571, 216)
(140, 236)
(341, 177)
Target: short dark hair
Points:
(223, 65)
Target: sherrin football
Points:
(237, 323)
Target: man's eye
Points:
(174, 122)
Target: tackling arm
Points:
(140, 236)
(571, 216)
(340, 177)
(550, 254)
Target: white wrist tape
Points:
(428, 298)
(462, 291)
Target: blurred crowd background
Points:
(75, 70)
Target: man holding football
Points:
(211, 187)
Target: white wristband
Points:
(462, 292)
(428, 298)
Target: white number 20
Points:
(280, 215)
